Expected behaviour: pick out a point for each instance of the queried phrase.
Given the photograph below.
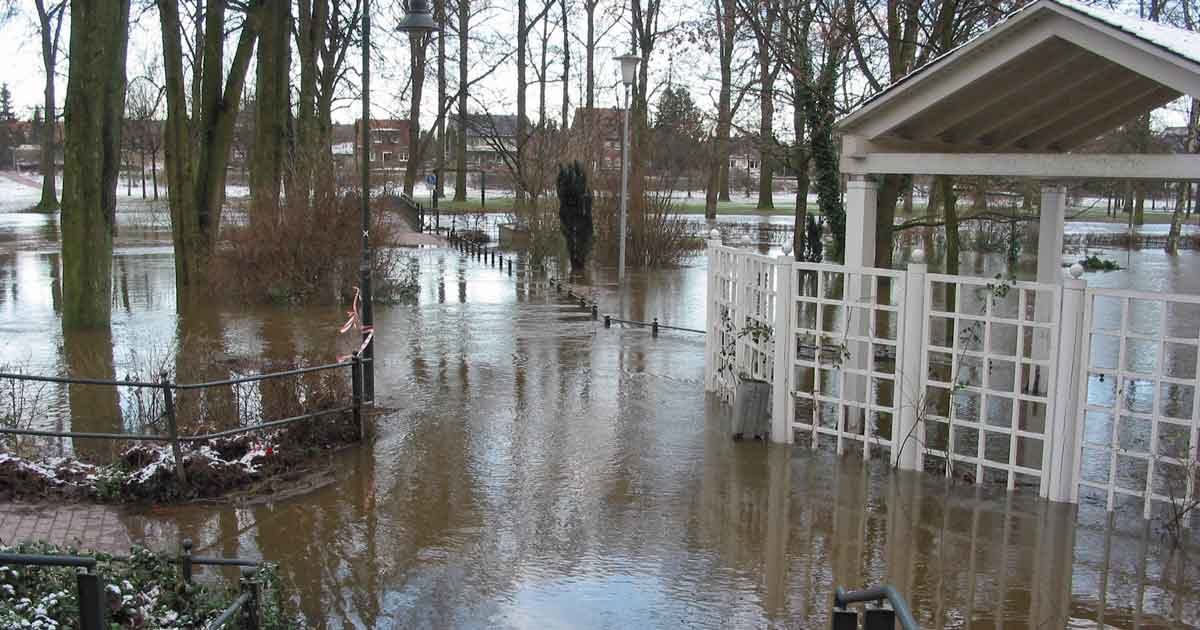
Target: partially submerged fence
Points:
(1056, 387)
(169, 391)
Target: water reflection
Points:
(538, 470)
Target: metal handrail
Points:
(46, 560)
(842, 598)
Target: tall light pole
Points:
(418, 22)
(364, 267)
(628, 76)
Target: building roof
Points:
(1049, 77)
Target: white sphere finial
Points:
(787, 249)
(715, 234)
(918, 256)
(1076, 271)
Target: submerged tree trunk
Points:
(197, 146)
(718, 186)
(50, 27)
(94, 110)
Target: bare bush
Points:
(306, 254)
(657, 235)
(21, 403)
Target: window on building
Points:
(387, 156)
(403, 157)
(752, 164)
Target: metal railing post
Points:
(185, 561)
(250, 587)
(607, 321)
(595, 311)
(356, 385)
(654, 328)
(91, 601)
(173, 430)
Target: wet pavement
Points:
(536, 470)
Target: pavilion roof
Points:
(1048, 78)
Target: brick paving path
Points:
(92, 527)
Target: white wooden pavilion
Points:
(1015, 101)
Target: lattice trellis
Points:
(988, 369)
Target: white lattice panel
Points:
(1137, 422)
(844, 344)
(988, 367)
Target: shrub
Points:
(311, 254)
(143, 591)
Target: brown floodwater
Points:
(536, 470)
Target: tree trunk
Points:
(416, 47)
(766, 124)
(271, 112)
(590, 52)
(566, 61)
(94, 110)
(197, 147)
(460, 141)
(439, 166)
(950, 214)
(308, 149)
(522, 83)
(154, 172)
(718, 187)
(50, 27)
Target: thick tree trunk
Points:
(271, 112)
(766, 124)
(566, 61)
(197, 147)
(460, 140)
(50, 27)
(94, 110)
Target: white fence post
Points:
(908, 437)
(784, 342)
(712, 318)
(1063, 434)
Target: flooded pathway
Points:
(536, 470)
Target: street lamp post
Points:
(364, 268)
(628, 76)
(417, 22)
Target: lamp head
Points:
(418, 18)
(628, 68)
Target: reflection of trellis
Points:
(989, 412)
(844, 332)
(1137, 423)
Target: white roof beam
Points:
(1140, 56)
(1036, 165)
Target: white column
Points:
(1050, 234)
(712, 318)
(1063, 432)
(781, 385)
(908, 436)
(861, 194)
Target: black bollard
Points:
(595, 311)
(608, 321)
(654, 327)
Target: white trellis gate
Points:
(1048, 386)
